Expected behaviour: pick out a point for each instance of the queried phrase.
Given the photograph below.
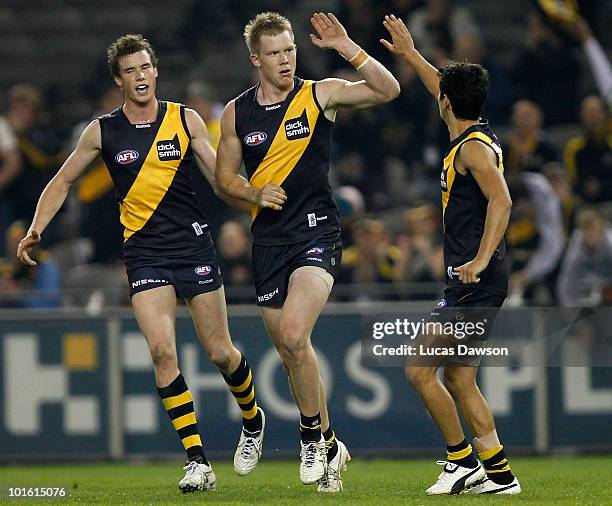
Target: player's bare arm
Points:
(402, 46)
(481, 161)
(378, 85)
(229, 159)
(55, 193)
(205, 156)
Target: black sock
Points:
(461, 455)
(330, 443)
(310, 428)
(240, 384)
(178, 402)
(497, 466)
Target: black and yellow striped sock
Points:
(178, 402)
(461, 455)
(330, 443)
(496, 465)
(310, 428)
(240, 384)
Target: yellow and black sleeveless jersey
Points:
(150, 165)
(288, 144)
(464, 209)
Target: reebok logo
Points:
(169, 150)
(297, 128)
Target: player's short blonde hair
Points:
(265, 23)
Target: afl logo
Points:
(315, 251)
(126, 156)
(203, 270)
(255, 138)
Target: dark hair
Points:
(466, 86)
(125, 46)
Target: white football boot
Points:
(249, 449)
(453, 479)
(331, 481)
(313, 458)
(198, 476)
(490, 487)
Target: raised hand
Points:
(330, 32)
(402, 44)
(272, 196)
(25, 245)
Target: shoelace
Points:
(310, 454)
(191, 468)
(249, 446)
(442, 474)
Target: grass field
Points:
(565, 480)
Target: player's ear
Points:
(255, 60)
(155, 72)
(117, 80)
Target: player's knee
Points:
(294, 344)
(456, 383)
(220, 356)
(418, 376)
(163, 356)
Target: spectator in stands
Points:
(421, 245)
(595, 55)
(10, 165)
(200, 97)
(39, 145)
(588, 157)
(534, 236)
(372, 258)
(526, 148)
(560, 183)
(23, 286)
(437, 26)
(234, 253)
(469, 46)
(547, 73)
(403, 133)
(586, 272)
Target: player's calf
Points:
(240, 383)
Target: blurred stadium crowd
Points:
(549, 103)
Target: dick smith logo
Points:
(297, 128)
(169, 150)
(443, 182)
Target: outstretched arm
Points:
(402, 46)
(206, 157)
(378, 85)
(229, 159)
(55, 193)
